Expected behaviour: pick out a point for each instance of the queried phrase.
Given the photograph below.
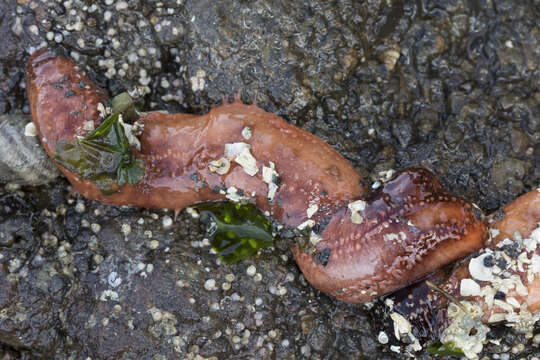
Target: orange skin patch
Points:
(365, 260)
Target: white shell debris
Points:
(478, 270)
(312, 209)
(314, 238)
(220, 166)
(89, 125)
(535, 235)
(30, 129)
(246, 133)
(306, 224)
(234, 195)
(535, 264)
(469, 287)
(128, 130)
(401, 325)
(272, 188)
(241, 154)
(269, 175)
(355, 207)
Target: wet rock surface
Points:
(451, 85)
(23, 160)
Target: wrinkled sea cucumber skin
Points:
(176, 150)
(412, 227)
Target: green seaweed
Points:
(103, 156)
(438, 348)
(237, 231)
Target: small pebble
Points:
(95, 227)
(167, 222)
(152, 244)
(251, 270)
(80, 207)
(210, 284)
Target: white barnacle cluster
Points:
(498, 275)
(466, 330)
(355, 208)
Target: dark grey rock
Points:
(462, 98)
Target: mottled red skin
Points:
(176, 150)
(363, 265)
(522, 215)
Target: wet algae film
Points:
(451, 85)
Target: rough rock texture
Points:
(453, 85)
(28, 164)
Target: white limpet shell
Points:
(469, 287)
(478, 270)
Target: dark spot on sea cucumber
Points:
(324, 257)
(513, 250)
(321, 225)
(478, 213)
(499, 214)
(489, 261)
(70, 93)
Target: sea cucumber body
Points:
(410, 227)
(177, 149)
